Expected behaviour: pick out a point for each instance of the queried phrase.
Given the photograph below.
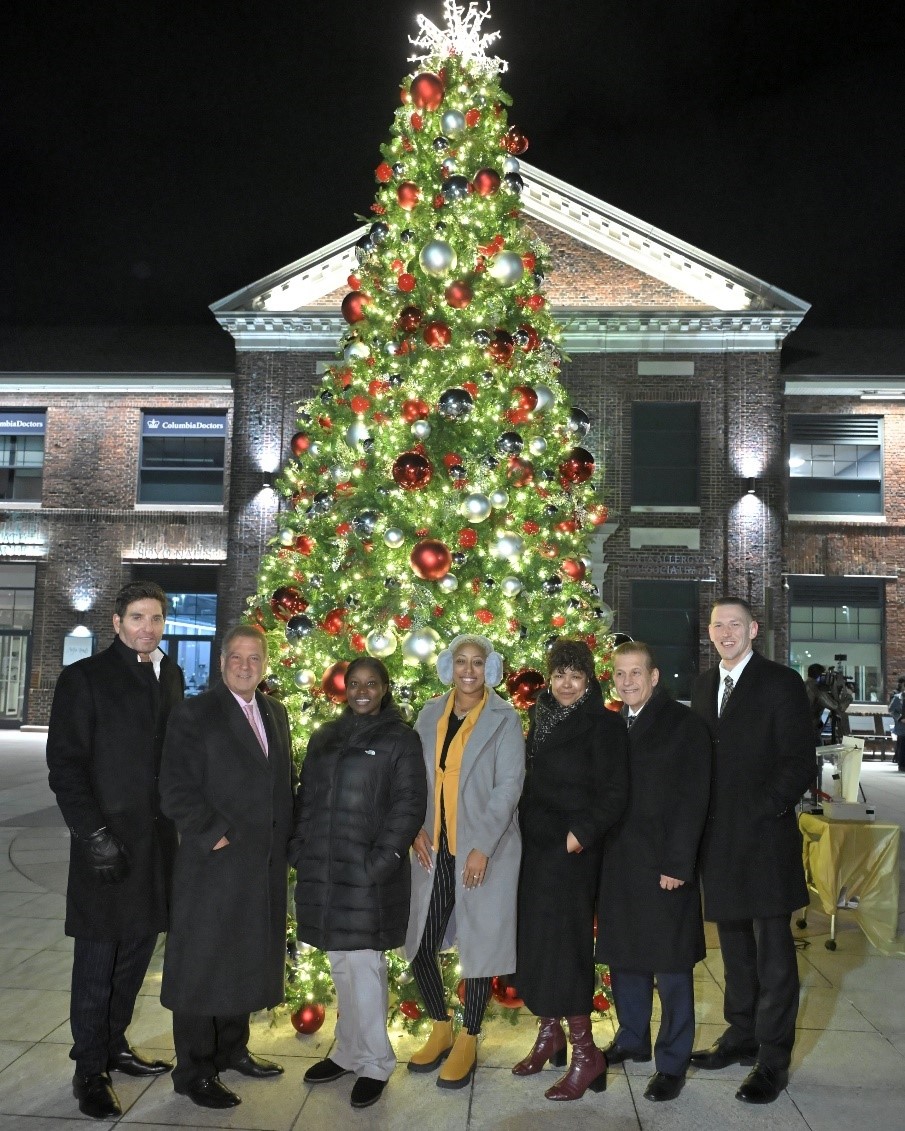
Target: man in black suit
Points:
(104, 745)
(751, 863)
(228, 782)
(649, 923)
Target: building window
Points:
(182, 458)
(835, 465)
(21, 455)
(665, 454)
(665, 616)
(830, 617)
(191, 625)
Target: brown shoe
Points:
(550, 1045)
(588, 1066)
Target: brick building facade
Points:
(674, 355)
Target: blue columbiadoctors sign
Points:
(15, 423)
(183, 424)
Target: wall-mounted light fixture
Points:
(752, 485)
(267, 481)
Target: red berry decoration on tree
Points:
(300, 443)
(408, 194)
(486, 182)
(359, 404)
(430, 560)
(305, 544)
(524, 686)
(333, 682)
(353, 306)
(412, 471)
(468, 538)
(458, 294)
(426, 92)
(383, 173)
(308, 1019)
(437, 335)
(406, 282)
(287, 602)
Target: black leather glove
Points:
(106, 855)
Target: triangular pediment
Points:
(603, 259)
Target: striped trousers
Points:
(426, 966)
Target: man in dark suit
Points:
(228, 782)
(649, 918)
(751, 864)
(104, 745)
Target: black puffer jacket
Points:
(362, 798)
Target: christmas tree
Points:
(437, 484)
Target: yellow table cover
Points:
(862, 858)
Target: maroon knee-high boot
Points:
(587, 1068)
(550, 1045)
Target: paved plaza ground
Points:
(848, 1069)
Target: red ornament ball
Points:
(359, 404)
(412, 471)
(413, 410)
(333, 622)
(426, 92)
(577, 467)
(430, 560)
(353, 306)
(300, 443)
(614, 705)
(472, 117)
(437, 335)
(468, 538)
(573, 568)
(408, 194)
(458, 294)
(460, 991)
(308, 1019)
(410, 318)
(333, 682)
(601, 1002)
(410, 1009)
(505, 995)
(287, 602)
(515, 141)
(526, 397)
(406, 282)
(502, 346)
(486, 182)
(533, 337)
(304, 544)
(524, 686)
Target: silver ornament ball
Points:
(511, 586)
(421, 429)
(420, 646)
(506, 268)
(452, 122)
(393, 537)
(437, 257)
(449, 583)
(380, 644)
(476, 507)
(499, 499)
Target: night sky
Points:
(158, 156)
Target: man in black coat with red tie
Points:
(751, 861)
(104, 747)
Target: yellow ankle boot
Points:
(461, 1062)
(434, 1050)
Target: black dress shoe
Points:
(250, 1065)
(132, 1064)
(762, 1084)
(209, 1091)
(366, 1091)
(616, 1054)
(324, 1071)
(96, 1096)
(662, 1086)
(720, 1055)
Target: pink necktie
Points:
(250, 715)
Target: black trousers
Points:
(106, 978)
(761, 1000)
(206, 1045)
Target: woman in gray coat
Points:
(467, 856)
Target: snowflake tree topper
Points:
(462, 37)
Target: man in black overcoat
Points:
(227, 782)
(104, 745)
(751, 861)
(649, 919)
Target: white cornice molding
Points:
(864, 386)
(207, 384)
(584, 332)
